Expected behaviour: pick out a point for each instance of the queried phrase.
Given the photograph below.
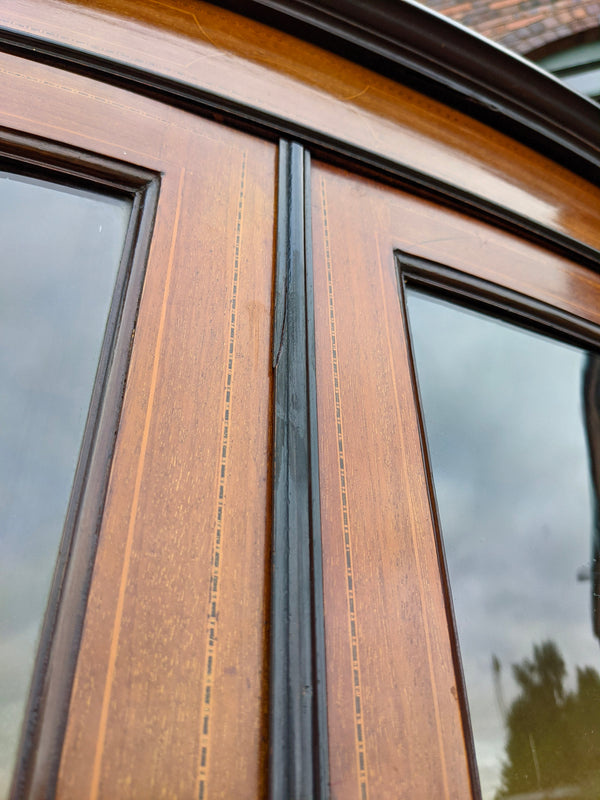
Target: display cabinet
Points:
(248, 584)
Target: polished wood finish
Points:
(170, 687)
(228, 55)
(393, 713)
(60, 633)
(393, 688)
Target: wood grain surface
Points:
(176, 649)
(170, 688)
(395, 727)
(239, 59)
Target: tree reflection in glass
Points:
(61, 249)
(552, 733)
(508, 440)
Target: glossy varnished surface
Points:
(169, 692)
(170, 689)
(392, 696)
(394, 715)
(229, 55)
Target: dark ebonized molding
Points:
(437, 56)
(250, 118)
(54, 670)
(298, 753)
(495, 300)
(422, 274)
(489, 298)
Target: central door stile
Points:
(298, 753)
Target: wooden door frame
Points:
(540, 125)
(45, 715)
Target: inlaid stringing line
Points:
(414, 537)
(116, 631)
(214, 588)
(361, 756)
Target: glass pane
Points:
(61, 249)
(510, 453)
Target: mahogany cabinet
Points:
(251, 597)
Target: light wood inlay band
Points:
(114, 645)
(213, 598)
(359, 730)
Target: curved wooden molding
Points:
(439, 57)
(571, 139)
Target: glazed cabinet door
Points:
(458, 418)
(150, 676)
(282, 363)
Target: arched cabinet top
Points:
(387, 88)
(435, 55)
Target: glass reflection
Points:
(61, 249)
(507, 414)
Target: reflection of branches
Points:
(591, 413)
(536, 763)
(497, 677)
(553, 736)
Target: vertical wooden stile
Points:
(298, 730)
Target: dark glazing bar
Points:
(298, 746)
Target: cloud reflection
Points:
(60, 253)
(503, 412)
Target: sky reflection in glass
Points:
(503, 410)
(61, 249)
